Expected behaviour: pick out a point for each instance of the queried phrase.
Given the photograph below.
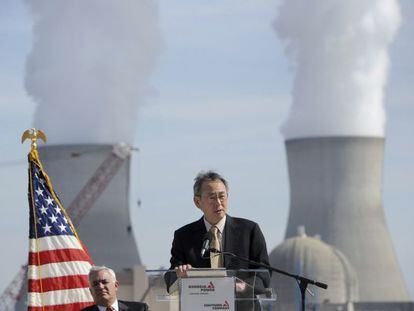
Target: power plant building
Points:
(106, 228)
(336, 193)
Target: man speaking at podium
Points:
(239, 236)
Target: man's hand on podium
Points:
(181, 270)
(240, 287)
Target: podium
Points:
(211, 289)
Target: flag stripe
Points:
(59, 283)
(54, 242)
(68, 307)
(54, 256)
(52, 270)
(59, 297)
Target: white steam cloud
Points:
(339, 53)
(89, 67)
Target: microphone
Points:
(206, 243)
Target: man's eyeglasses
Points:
(222, 197)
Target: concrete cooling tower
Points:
(335, 192)
(106, 228)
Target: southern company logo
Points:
(218, 306)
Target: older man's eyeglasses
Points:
(212, 197)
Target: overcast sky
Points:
(218, 95)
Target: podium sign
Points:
(207, 293)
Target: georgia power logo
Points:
(218, 306)
(203, 287)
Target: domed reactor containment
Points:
(311, 257)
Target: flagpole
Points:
(33, 135)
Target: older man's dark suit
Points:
(123, 306)
(242, 237)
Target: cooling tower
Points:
(335, 192)
(106, 229)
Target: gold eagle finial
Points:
(33, 135)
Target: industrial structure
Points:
(336, 193)
(70, 167)
(311, 257)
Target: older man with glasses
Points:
(239, 236)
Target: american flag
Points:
(58, 262)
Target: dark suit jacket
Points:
(123, 306)
(242, 237)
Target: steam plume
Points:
(339, 53)
(89, 67)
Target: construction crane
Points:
(98, 182)
(13, 291)
(82, 203)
